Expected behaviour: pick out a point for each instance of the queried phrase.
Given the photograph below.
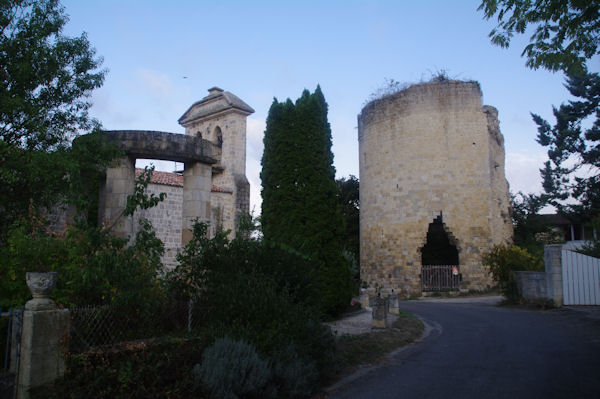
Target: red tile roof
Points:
(174, 179)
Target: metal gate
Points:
(581, 279)
(11, 351)
(440, 278)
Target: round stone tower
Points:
(432, 186)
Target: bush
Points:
(232, 369)
(504, 260)
(257, 292)
(293, 376)
(158, 369)
(94, 267)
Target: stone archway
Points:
(440, 247)
(439, 259)
(197, 154)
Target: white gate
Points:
(581, 279)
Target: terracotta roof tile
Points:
(174, 179)
(164, 178)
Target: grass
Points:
(370, 348)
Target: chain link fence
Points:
(100, 326)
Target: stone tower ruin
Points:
(432, 185)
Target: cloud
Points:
(523, 171)
(111, 114)
(157, 83)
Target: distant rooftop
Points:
(173, 179)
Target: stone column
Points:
(553, 267)
(379, 313)
(44, 335)
(120, 183)
(197, 183)
(393, 303)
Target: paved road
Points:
(478, 350)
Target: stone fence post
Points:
(45, 331)
(393, 303)
(553, 267)
(379, 313)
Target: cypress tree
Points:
(300, 207)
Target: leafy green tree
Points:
(45, 81)
(94, 266)
(300, 205)
(573, 148)
(567, 32)
(566, 37)
(45, 77)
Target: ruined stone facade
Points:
(213, 186)
(430, 154)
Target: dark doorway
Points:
(439, 249)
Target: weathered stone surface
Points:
(531, 285)
(43, 336)
(165, 146)
(379, 313)
(220, 118)
(393, 303)
(553, 268)
(119, 184)
(196, 197)
(430, 149)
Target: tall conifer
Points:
(300, 207)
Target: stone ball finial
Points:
(215, 90)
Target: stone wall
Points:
(166, 219)
(532, 285)
(430, 150)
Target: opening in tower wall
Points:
(438, 250)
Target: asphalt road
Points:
(478, 350)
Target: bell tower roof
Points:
(218, 101)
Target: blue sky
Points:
(259, 50)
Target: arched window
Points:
(219, 136)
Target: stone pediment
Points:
(217, 101)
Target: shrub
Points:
(157, 369)
(293, 376)
(232, 369)
(255, 291)
(504, 260)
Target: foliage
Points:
(94, 266)
(388, 88)
(531, 232)
(504, 260)
(232, 369)
(591, 248)
(161, 369)
(257, 291)
(574, 158)
(292, 375)
(567, 33)
(36, 181)
(45, 77)
(349, 205)
(299, 206)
